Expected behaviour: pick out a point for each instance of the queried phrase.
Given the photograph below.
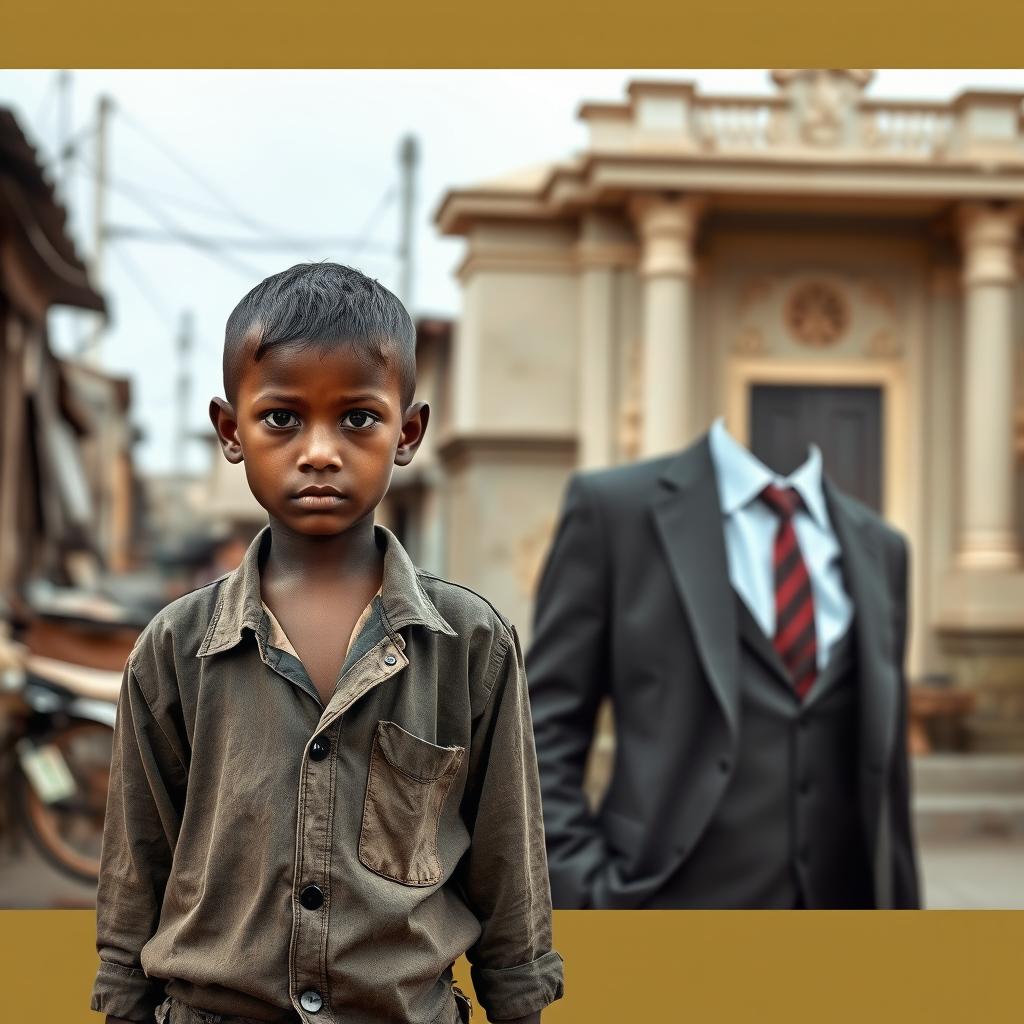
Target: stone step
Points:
(947, 774)
(963, 815)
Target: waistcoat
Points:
(787, 832)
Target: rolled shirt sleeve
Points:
(504, 873)
(147, 782)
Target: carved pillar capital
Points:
(988, 234)
(667, 228)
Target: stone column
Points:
(667, 228)
(599, 252)
(987, 535)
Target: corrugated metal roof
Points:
(36, 220)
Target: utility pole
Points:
(64, 128)
(99, 224)
(184, 391)
(408, 159)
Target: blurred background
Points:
(847, 243)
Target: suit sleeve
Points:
(567, 667)
(905, 881)
(147, 781)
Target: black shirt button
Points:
(312, 897)
(805, 788)
(319, 748)
(805, 854)
(724, 765)
(311, 1001)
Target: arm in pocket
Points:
(569, 677)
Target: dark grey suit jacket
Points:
(635, 603)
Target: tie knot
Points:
(783, 501)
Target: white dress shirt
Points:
(750, 527)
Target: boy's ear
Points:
(226, 424)
(413, 429)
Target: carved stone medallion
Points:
(816, 314)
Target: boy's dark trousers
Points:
(726, 790)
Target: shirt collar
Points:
(742, 475)
(239, 604)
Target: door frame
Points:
(888, 377)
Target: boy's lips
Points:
(319, 489)
(319, 497)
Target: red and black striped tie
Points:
(795, 639)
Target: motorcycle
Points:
(60, 728)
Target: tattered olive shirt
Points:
(267, 857)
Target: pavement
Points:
(977, 873)
(27, 881)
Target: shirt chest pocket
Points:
(408, 781)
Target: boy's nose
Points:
(321, 451)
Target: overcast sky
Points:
(249, 154)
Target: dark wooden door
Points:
(844, 422)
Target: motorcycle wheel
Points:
(69, 833)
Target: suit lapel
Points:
(688, 518)
(865, 574)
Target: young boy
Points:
(324, 787)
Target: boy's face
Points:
(318, 433)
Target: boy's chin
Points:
(318, 524)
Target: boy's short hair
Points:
(321, 304)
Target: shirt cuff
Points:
(507, 993)
(125, 992)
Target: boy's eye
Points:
(359, 419)
(280, 418)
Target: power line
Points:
(209, 246)
(188, 169)
(186, 204)
(266, 241)
(151, 294)
(70, 147)
(131, 232)
(216, 246)
(145, 287)
(371, 222)
(46, 105)
(175, 200)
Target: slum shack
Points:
(65, 474)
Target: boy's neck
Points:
(294, 556)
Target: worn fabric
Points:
(174, 1011)
(271, 859)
